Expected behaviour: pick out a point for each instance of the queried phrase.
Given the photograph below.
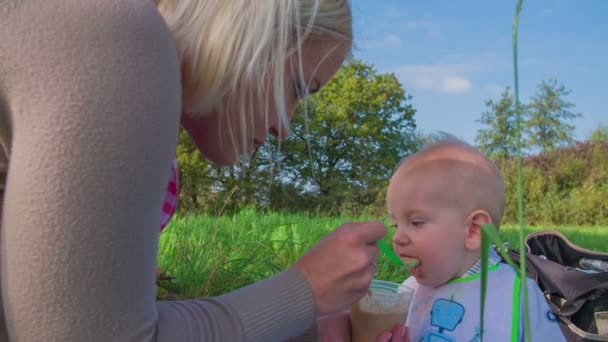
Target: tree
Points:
(600, 134)
(549, 112)
(498, 140)
(206, 187)
(349, 136)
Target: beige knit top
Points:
(89, 116)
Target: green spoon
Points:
(394, 258)
(388, 251)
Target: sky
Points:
(452, 56)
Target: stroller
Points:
(574, 281)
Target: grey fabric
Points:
(89, 115)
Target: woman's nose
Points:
(281, 129)
(281, 133)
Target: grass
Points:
(208, 256)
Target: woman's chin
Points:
(222, 160)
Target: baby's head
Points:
(438, 199)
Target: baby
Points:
(438, 199)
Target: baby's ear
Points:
(474, 222)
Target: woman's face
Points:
(210, 131)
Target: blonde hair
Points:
(235, 52)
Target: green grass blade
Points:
(491, 235)
(485, 251)
(520, 201)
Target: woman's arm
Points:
(94, 101)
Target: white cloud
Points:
(448, 68)
(454, 56)
(445, 78)
(455, 85)
(419, 24)
(548, 12)
(435, 32)
(494, 89)
(392, 40)
(531, 61)
(388, 41)
(363, 44)
(394, 12)
(433, 29)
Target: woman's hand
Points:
(340, 267)
(400, 333)
(336, 328)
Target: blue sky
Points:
(453, 55)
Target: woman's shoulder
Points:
(68, 24)
(134, 16)
(108, 12)
(70, 40)
(55, 53)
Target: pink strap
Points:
(170, 203)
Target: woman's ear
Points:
(473, 234)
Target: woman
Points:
(92, 93)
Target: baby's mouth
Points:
(416, 271)
(409, 261)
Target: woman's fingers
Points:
(400, 333)
(341, 266)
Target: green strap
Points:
(472, 277)
(515, 314)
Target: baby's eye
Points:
(417, 223)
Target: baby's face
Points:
(430, 223)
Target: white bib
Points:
(451, 312)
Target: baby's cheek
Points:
(439, 268)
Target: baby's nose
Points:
(400, 238)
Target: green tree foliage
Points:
(545, 122)
(497, 140)
(568, 185)
(205, 187)
(347, 139)
(564, 182)
(549, 115)
(600, 134)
